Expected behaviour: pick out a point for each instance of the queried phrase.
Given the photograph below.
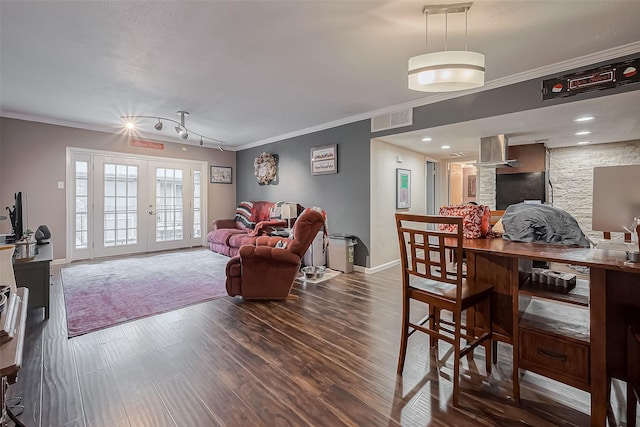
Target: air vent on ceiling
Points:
(392, 120)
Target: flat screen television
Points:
(15, 215)
(517, 187)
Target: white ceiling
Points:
(252, 71)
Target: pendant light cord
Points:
(426, 32)
(446, 31)
(466, 12)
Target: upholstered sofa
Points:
(252, 219)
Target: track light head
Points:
(220, 148)
(184, 135)
(201, 141)
(158, 125)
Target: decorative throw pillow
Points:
(498, 228)
(476, 220)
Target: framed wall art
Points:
(403, 188)
(471, 186)
(324, 160)
(220, 174)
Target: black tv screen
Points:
(518, 187)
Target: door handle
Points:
(151, 212)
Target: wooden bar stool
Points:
(633, 372)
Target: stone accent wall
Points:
(571, 174)
(487, 186)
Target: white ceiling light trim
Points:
(448, 70)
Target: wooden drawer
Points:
(555, 356)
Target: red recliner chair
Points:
(266, 271)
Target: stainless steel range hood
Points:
(494, 152)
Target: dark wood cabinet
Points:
(532, 157)
(35, 274)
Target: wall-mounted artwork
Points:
(471, 184)
(265, 168)
(403, 188)
(220, 175)
(324, 160)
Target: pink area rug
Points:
(100, 295)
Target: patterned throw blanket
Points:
(264, 227)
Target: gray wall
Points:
(33, 160)
(344, 196)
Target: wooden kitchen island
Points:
(586, 360)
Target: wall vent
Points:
(393, 120)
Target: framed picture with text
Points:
(324, 160)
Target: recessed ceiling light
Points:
(583, 142)
(445, 147)
(426, 139)
(584, 119)
(582, 132)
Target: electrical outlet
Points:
(60, 184)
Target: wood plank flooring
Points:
(326, 359)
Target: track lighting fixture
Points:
(180, 127)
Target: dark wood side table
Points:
(35, 274)
(11, 354)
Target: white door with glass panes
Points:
(120, 217)
(123, 205)
(169, 186)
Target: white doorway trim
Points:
(195, 165)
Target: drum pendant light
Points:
(448, 70)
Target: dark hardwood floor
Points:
(326, 359)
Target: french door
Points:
(123, 205)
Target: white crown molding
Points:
(559, 67)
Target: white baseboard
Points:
(372, 270)
(59, 261)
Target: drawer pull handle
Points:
(552, 354)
